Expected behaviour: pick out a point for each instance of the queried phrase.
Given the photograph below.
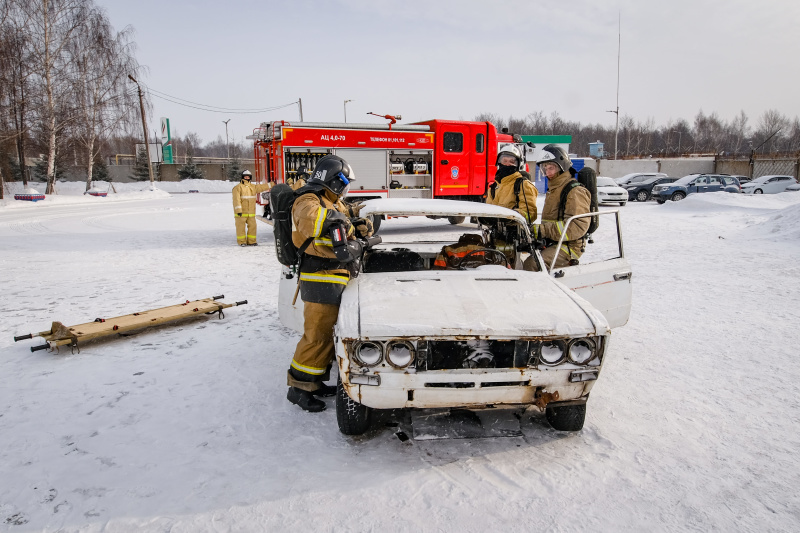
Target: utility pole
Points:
(345, 110)
(144, 129)
(227, 145)
(616, 111)
(300, 103)
(679, 132)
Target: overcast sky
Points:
(454, 59)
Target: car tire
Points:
(660, 201)
(566, 417)
(353, 418)
(678, 196)
(758, 191)
(456, 220)
(622, 204)
(642, 196)
(376, 223)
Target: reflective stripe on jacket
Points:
(244, 196)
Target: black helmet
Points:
(333, 173)
(554, 154)
(302, 172)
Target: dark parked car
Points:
(694, 183)
(641, 191)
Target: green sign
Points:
(166, 152)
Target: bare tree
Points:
(102, 60)
(51, 25)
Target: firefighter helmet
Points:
(246, 175)
(554, 154)
(333, 173)
(302, 172)
(510, 150)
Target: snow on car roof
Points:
(435, 207)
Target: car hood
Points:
(489, 301)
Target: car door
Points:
(290, 314)
(698, 185)
(714, 184)
(603, 276)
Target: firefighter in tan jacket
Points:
(512, 188)
(244, 208)
(556, 165)
(323, 276)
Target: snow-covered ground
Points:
(692, 425)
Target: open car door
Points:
(603, 276)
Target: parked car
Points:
(637, 177)
(742, 179)
(770, 184)
(478, 333)
(641, 191)
(608, 192)
(694, 183)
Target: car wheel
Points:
(678, 196)
(456, 220)
(566, 417)
(353, 417)
(758, 191)
(642, 196)
(660, 201)
(622, 204)
(376, 223)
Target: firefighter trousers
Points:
(315, 351)
(245, 228)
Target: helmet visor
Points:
(507, 159)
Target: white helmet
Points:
(509, 150)
(247, 175)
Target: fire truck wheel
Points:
(456, 220)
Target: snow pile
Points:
(783, 225)
(77, 188)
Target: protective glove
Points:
(363, 227)
(354, 209)
(335, 217)
(238, 214)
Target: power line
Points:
(210, 108)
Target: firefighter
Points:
(556, 165)
(323, 277)
(299, 179)
(244, 208)
(512, 186)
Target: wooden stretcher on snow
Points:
(61, 335)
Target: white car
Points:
(608, 192)
(770, 184)
(481, 334)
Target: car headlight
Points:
(552, 352)
(400, 354)
(368, 353)
(581, 351)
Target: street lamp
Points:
(345, 109)
(227, 145)
(616, 129)
(679, 140)
(144, 128)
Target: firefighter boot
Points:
(305, 400)
(325, 391)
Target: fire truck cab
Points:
(431, 159)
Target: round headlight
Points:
(552, 352)
(581, 351)
(368, 353)
(400, 354)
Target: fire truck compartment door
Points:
(453, 165)
(369, 166)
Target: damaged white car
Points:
(444, 316)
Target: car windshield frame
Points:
(686, 180)
(609, 183)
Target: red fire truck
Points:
(431, 159)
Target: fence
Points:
(759, 165)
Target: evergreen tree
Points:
(100, 170)
(141, 171)
(190, 171)
(235, 169)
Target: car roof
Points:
(437, 207)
